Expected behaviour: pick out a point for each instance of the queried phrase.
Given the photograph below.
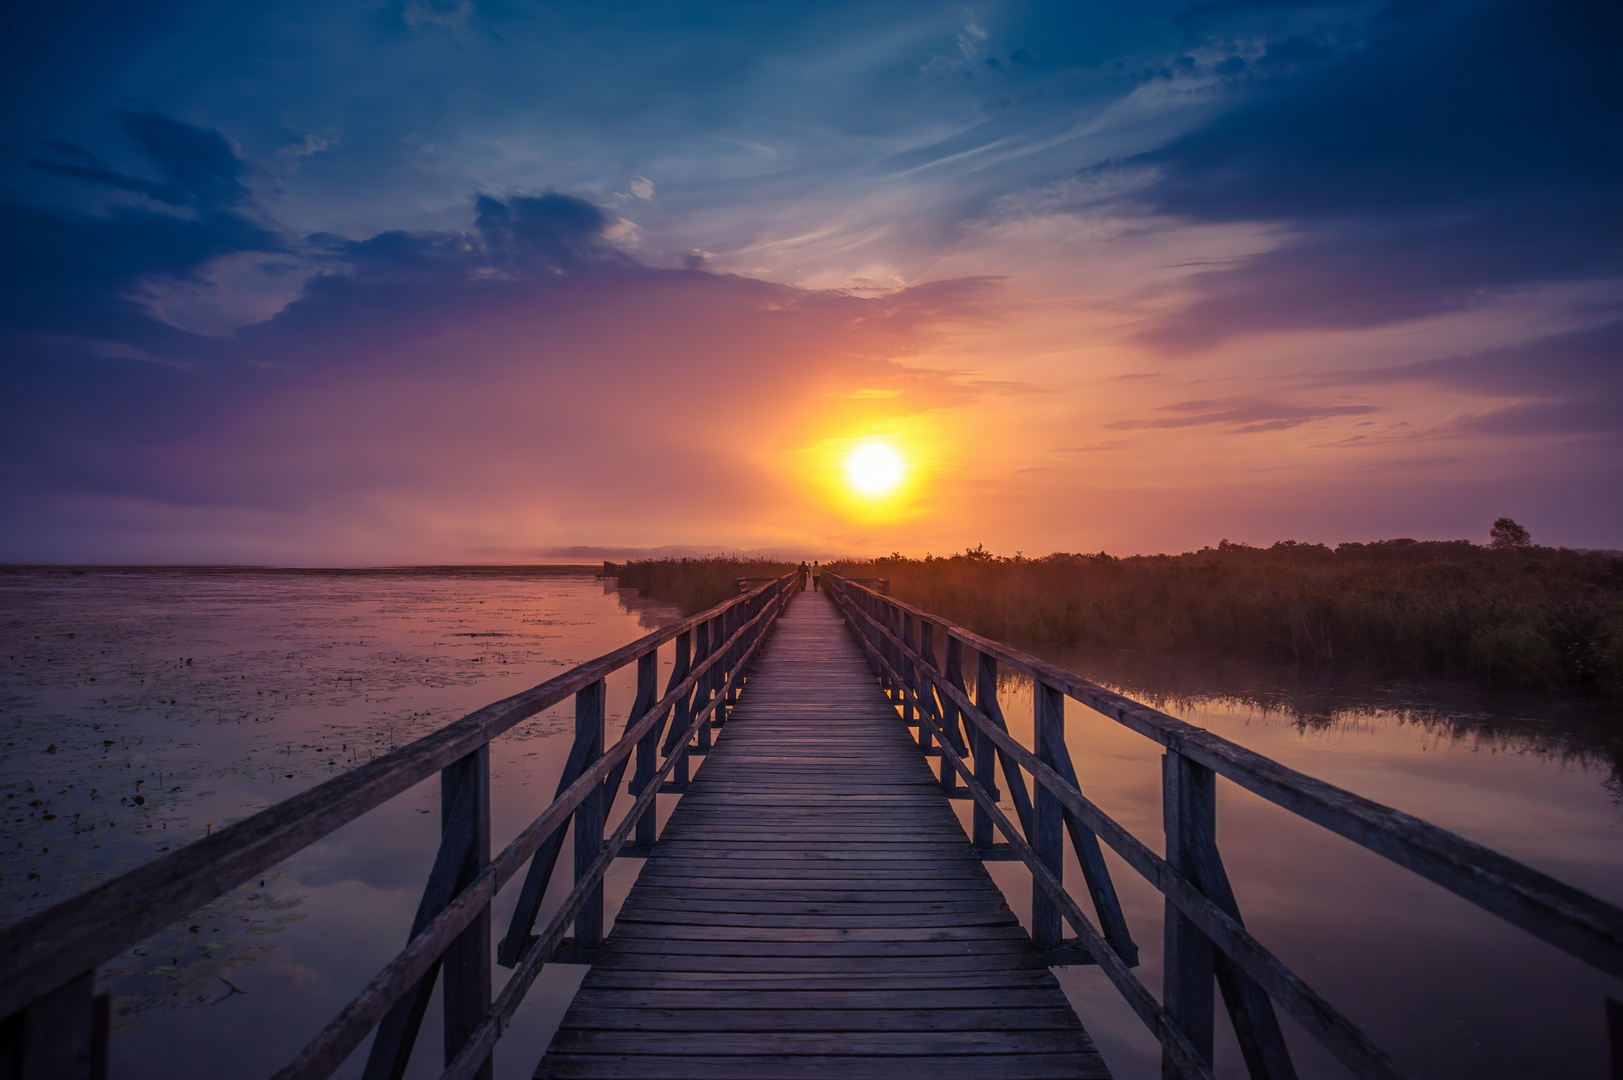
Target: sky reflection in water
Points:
(210, 696)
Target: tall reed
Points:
(695, 584)
(1540, 616)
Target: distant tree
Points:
(1509, 536)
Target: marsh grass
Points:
(695, 584)
(1534, 616)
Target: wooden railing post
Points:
(945, 714)
(60, 1036)
(909, 687)
(647, 746)
(684, 709)
(708, 684)
(1189, 815)
(468, 962)
(589, 815)
(1048, 835)
(463, 852)
(985, 756)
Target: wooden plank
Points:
(711, 1018)
(1068, 1040)
(824, 1067)
(919, 996)
(988, 982)
(824, 920)
(1000, 937)
(653, 907)
(674, 959)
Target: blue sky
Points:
(428, 281)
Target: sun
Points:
(874, 468)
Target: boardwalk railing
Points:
(1206, 941)
(56, 1029)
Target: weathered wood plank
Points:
(824, 1067)
(633, 1018)
(1070, 1040)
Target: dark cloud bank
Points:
(526, 353)
(1466, 152)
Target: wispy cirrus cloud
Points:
(1241, 416)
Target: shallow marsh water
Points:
(208, 696)
(140, 710)
(1446, 989)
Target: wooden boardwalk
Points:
(812, 908)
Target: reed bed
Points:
(1535, 616)
(695, 584)
(1531, 615)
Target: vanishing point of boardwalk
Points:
(812, 908)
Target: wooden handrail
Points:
(1583, 925)
(1316, 1014)
(48, 953)
(329, 1049)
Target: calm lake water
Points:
(208, 696)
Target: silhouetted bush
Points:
(695, 584)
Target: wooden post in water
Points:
(468, 961)
(589, 815)
(684, 709)
(1189, 815)
(1048, 836)
(647, 746)
(909, 687)
(709, 642)
(955, 676)
(61, 1036)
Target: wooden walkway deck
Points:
(812, 909)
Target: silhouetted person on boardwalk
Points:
(804, 574)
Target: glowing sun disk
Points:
(874, 468)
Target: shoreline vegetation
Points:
(1510, 612)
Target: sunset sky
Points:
(382, 282)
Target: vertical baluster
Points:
(985, 757)
(936, 704)
(647, 746)
(909, 687)
(1189, 813)
(710, 641)
(951, 720)
(468, 960)
(886, 618)
(741, 615)
(682, 667)
(589, 815)
(1048, 837)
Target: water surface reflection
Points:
(142, 709)
(1445, 988)
(139, 710)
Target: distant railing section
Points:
(1205, 939)
(56, 1028)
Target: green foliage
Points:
(695, 584)
(1539, 616)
